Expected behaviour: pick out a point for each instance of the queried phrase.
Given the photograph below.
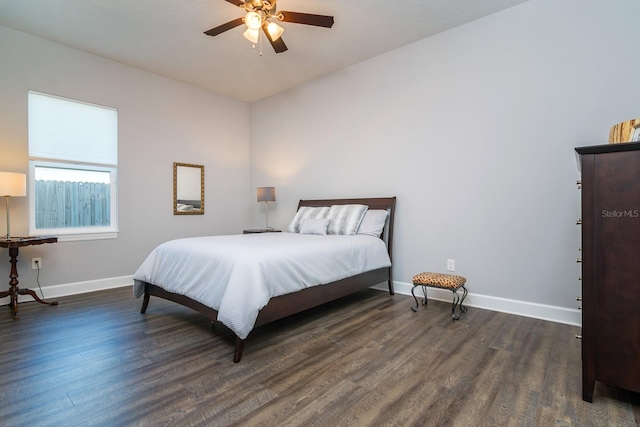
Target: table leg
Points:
(35, 296)
(13, 305)
(14, 290)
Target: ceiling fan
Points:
(262, 14)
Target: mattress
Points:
(237, 275)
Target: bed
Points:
(203, 274)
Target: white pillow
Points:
(373, 222)
(314, 226)
(306, 212)
(345, 219)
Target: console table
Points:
(13, 245)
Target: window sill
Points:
(91, 236)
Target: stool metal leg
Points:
(463, 309)
(456, 299)
(415, 309)
(424, 301)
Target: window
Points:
(73, 168)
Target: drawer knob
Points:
(579, 260)
(579, 307)
(579, 184)
(578, 337)
(578, 298)
(579, 221)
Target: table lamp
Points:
(266, 195)
(12, 184)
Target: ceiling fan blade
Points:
(277, 45)
(238, 3)
(224, 27)
(307, 19)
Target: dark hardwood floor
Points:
(364, 360)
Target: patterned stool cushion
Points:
(439, 280)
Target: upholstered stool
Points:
(442, 281)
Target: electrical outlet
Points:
(36, 263)
(451, 265)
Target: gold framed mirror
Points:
(188, 189)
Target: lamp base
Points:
(8, 220)
(266, 223)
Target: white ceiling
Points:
(166, 36)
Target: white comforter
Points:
(237, 275)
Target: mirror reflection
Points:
(188, 189)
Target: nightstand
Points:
(260, 230)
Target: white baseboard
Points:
(521, 308)
(551, 313)
(57, 291)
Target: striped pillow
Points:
(345, 219)
(306, 212)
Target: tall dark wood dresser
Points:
(610, 190)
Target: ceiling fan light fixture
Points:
(275, 30)
(251, 35)
(253, 21)
(258, 15)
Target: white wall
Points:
(474, 131)
(161, 121)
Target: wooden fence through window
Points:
(62, 204)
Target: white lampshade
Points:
(253, 21)
(275, 30)
(266, 194)
(13, 184)
(251, 35)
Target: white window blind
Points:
(72, 131)
(73, 160)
